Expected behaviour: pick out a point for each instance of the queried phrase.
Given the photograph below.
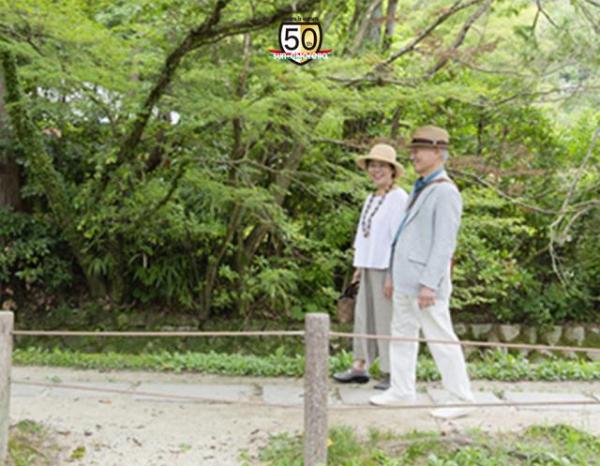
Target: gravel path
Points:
(234, 416)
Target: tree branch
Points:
(459, 39)
(370, 76)
(501, 193)
(377, 80)
(458, 6)
(560, 237)
(206, 33)
(347, 144)
(170, 192)
(542, 11)
(590, 17)
(92, 95)
(171, 64)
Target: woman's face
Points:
(381, 173)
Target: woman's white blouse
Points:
(373, 252)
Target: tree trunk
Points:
(95, 286)
(215, 261)
(240, 268)
(10, 177)
(369, 31)
(390, 24)
(10, 186)
(374, 27)
(238, 151)
(41, 166)
(396, 124)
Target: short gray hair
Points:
(445, 154)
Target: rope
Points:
(300, 333)
(491, 344)
(61, 333)
(505, 404)
(169, 396)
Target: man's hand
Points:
(356, 276)
(426, 297)
(388, 287)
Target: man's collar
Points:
(439, 172)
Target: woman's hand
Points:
(388, 287)
(356, 276)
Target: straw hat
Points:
(430, 136)
(381, 153)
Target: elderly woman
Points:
(381, 214)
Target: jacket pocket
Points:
(417, 258)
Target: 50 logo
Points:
(300, 42)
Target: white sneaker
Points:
(453, 412)
(390, 398)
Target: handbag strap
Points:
(416, 196)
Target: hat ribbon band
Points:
(428, 141)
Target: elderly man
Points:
(420, 276)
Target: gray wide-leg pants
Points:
(373, 315)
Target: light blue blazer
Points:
(426, 243)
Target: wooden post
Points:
(6, 328)
(316, 376)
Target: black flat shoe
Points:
(351, 376)
(384, 384)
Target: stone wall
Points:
(567, 335)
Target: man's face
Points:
(425, 159)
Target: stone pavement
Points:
(280, 392)
(231, 416)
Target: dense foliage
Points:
(166, 160)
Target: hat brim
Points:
(362, 163)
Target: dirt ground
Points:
(122, 430)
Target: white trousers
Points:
(435, 322)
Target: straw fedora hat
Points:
(430, 136)
(382, 153)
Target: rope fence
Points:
(488, 344)
(61, 333)
(166, 396)
(301, 333)
(317, 336)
